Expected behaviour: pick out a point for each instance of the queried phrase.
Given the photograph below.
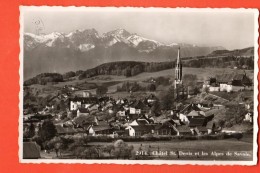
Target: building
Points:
(178, 71)
(86, 94)
(164, 129)
(228, 82)
(139, 130)
(82, 102)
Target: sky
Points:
(232, 29)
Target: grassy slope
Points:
(112, 81)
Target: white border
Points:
(148, 162)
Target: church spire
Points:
(178, 70)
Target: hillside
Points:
(238, 52)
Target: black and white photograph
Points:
(138, 85)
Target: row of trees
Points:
(134, 87)
(44, 78)
(221, 62)
(126, 68)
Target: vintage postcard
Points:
(138, 85)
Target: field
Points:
(112, 81)
(216, 149)
(226, 149)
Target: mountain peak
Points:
(120, 32)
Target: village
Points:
(101, 117)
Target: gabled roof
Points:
(31, 150)
(143, 128)
(138, 105)
(194, 113)
(101, 127)
(142, 121)
(190, 108)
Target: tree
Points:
(47, 130)
(109, 149)
(156, 108)
(190, 79)
(122, 150)
(101, 90)
(151, 87)
(30, 132)
(168, 99)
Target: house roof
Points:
(183, 128)
(143, 128)
(31, 150)
(83, 110)
(101, 127)
(63, 130)
(189, 108)
(142, 121)
(195, 122)
(161, 126)
(83, 119)
(138, 105)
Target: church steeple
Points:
(178, 70)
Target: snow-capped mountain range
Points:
(82, 49)
(84, 40)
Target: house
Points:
(196, 114)
(164, 129)
(249, 117)
(67, 130)
(137, 107)
(190, 107)
(86, 94)
(82, 102)
(139, 130)
(82, 111)
(151, 98)
(196, 122)
(183, 130)
(31, 150)
(182, 117)
(189, 111)
(93, 107)
(211, 84)
(83, 120)
(121, 113)
(100, 129)
(229, 82)
(202, 130)
(139, 122)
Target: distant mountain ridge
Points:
(83, 49)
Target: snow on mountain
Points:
(136, 39)
(87, 39)
(172, 44)
(86, 47)
(82, 39)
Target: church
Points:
(180, 90)
(178, 71)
